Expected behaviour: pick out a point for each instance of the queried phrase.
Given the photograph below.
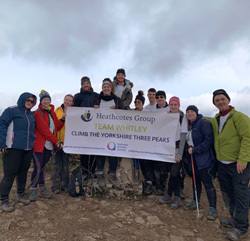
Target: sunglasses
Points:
(137, 102)
(160, 97)
(29, 100)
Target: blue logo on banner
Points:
(86, 116)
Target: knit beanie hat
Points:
(176, 99)
(70, 95)
(43, 95)
(140, 96)
(107, 81)
(160, 92)
(120, 71)
(220, 92)
(85, 79)
(193, 108)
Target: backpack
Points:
(76, 176)
(249, 195)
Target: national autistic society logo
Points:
(86, 116)
(111, 146)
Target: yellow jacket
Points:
(61, 133)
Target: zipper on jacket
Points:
(28, 129)
(218, 122)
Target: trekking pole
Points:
(92, 181)
(27, 188)
(134, 167)
(195, 188)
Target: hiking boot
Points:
(236, 234)
(158, 192)
(182, 196)
(33, 194)
(56, 191)
(177, 203)
(147, 189)
(65, 189)
(113, 180)
(45, 193)
(7, 207)
(164, 199)
(228, 223)
(23, 199)
(212, 214)
(101, 181)
(192, 205)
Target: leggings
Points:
(40, 159)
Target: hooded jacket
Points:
(42, 130)
(127, 95)
(17, 125)
(233, 142)
(203, 140)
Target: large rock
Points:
(41, 205)
(176, 238)
(24, 224)
(18, 212)
(139, 220)
(187, 233)
(67, 216)
(72, 207)
(154, 221)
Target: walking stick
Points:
(21, 195)
(195, 189)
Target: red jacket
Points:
(42, 130)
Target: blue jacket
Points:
(85, 98)
(203, 140)
(17, 125)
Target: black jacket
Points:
(85, 98)
(117, 100)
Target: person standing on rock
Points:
(86, 98)
(157, 172)
(152, 101)
(107, 100)
(174, 168)
(122, 88)
(161, 168)
(60, 167)
(47, 126)
(232, 145)
(17, 126)
(200, 150)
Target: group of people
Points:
(207, 145)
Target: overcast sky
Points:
(187, 48)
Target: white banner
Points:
(121, 133)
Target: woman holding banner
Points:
(200, 141)
(147, 166)
(60, 168)
(46, 129)
(174, 168)
(107, 99)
